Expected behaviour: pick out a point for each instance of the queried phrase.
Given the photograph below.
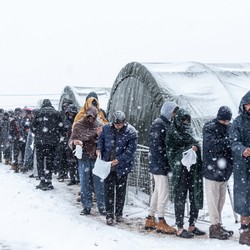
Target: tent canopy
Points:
(141, 88)
(79, 94)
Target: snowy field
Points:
(34, 219)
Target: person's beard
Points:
(248, 112)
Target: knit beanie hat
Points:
(224, 113)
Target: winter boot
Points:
(14, 167)
(217, 232)
(48, 186)
(41, 185)
(7, 161)
(150, 223)
(244, 237)
(230, 232)
(163, 227)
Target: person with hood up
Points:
(217, 169)
(159, 168)
(68, 160)
(184, 179)
(91, 100)
(239, 134)
(47, 126)
(85, 133)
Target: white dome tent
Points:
(141, 88)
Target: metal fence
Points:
(141, 185)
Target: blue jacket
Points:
(120, 145)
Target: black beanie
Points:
(224, 113)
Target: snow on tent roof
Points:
(141, 88)
(79, 94)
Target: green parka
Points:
(178, 140)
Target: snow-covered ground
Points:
(34, 219)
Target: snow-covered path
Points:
(33, 219)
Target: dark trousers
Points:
(45, 161)
(18, 146)
(115, 193)
(185, 185)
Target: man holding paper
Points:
(117, 143)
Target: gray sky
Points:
(48, 44)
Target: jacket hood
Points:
(92, 111)
(91, 94)
(46, 103)
(167, 109)
(182, 115)
(245, 100)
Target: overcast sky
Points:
(48, 44)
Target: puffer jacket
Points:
(120, 145)
(217, 155)
(47, 125)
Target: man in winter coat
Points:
(16, 133)
(5, 127)
(159, 168)
(85, 134)
(68, 160)
(117, 143)
(179, 139)
(239, 135)
(217, 169)
(47, 126)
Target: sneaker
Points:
(185, 234)
(197, 231)
(109, 221)
(85, 211)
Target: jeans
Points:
(86, 178)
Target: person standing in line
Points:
(217, 169)
(5, 127)
(85, 133)
(47, 127)
(239, 134)
(16, 135)
(70, 161)
(117, 143)
(159, 168)
(184, 180)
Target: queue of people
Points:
(225, 150)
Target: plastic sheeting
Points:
(140, 89)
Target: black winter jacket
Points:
(47, 125)
(217, 154)
(158, 162)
